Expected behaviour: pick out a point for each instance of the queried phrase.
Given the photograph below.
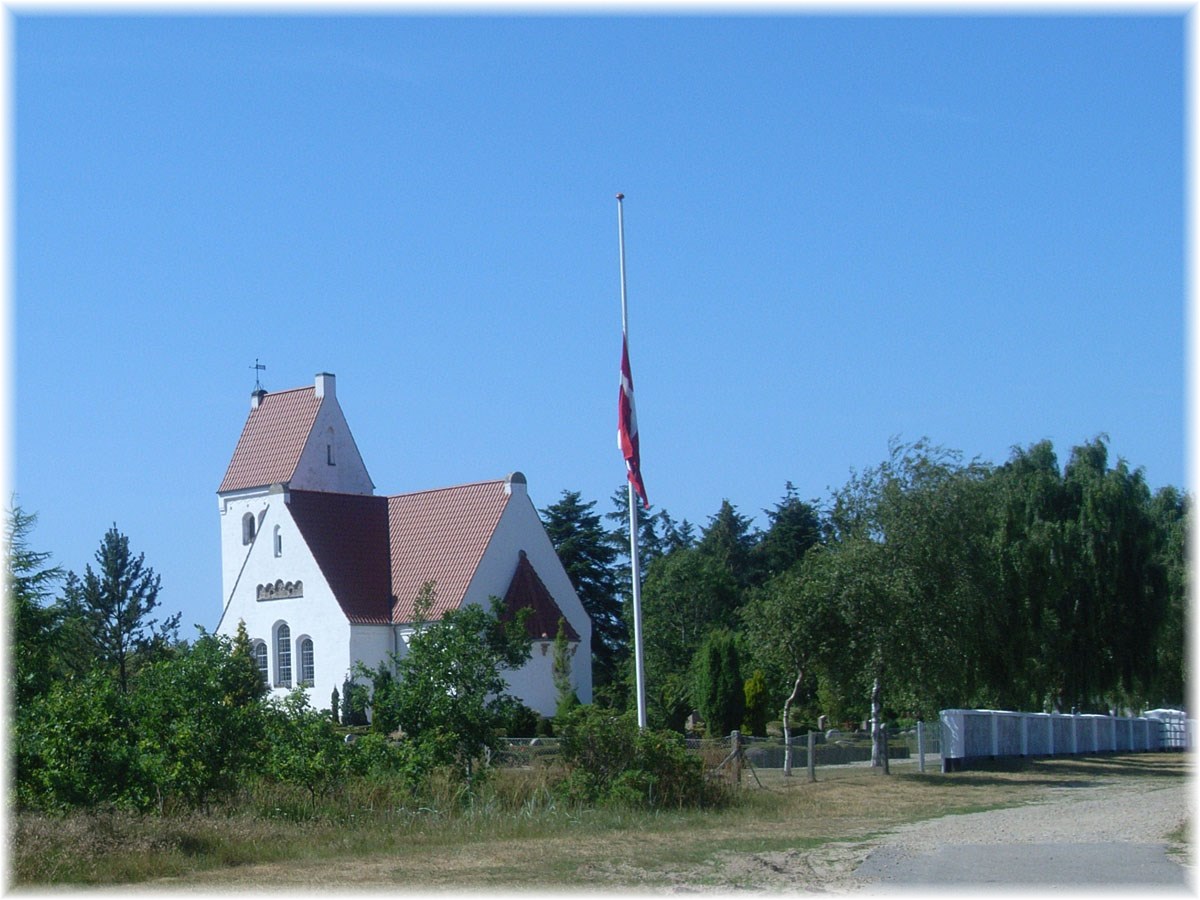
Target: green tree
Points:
(303, 747)
(114, 607)
(36, 624)
(610, 760)
(795, 527)
(200, 719)
(76, 747)
(587, 553)
(686, 595)
(730, 540)
(651, 542)
(1118, 590)
(450, 692)
(717, 686)
(907, 577)
(1018, 654)
(757, 699)
(567, 699)
(1171, 511)
(792, 624)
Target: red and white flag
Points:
(627, 431)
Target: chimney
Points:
(324, 385)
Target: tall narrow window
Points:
(260, 659)
(278, 542)
(247, 528)
(306, 662)
(283, 661)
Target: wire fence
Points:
(920, 745)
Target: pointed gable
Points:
(272, 440)
(440, 536)
(348, 537)
(527, 591)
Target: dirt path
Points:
(1119, 812)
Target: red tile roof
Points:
(440, 536)
(272, 440)
(348, 537)
(527, 591)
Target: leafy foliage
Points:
(201, 725)
(610, 760)
(303, 748)
(450, 695)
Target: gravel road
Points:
(1121, 835)
(1110, 835)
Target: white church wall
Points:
(234, 550)
(520, 529)
(330, 460)
(535, 679)
(370, 645)
(315, 613)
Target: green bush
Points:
(75, 746)
(717, 689)
(610, 760)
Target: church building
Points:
(325, 574)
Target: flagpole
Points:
(634, 563)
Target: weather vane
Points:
(258, 367)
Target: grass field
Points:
(515, 836)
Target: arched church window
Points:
(278, 542)
(306, 662)
(247, 528)
(260, 660)
(283, 656)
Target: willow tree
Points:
(908, 573)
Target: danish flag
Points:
(627, 431)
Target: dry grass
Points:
(535, 843)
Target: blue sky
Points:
(838, 231)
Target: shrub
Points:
(717, 688)
(610, 760)
(757, 698)
(520, 721)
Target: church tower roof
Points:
(272, 439)
(298, 438)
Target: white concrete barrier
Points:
(993, 733)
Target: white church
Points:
(325, 574)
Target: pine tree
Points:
(730, 540)
(36, 626)
(114, 607)
(587, 553)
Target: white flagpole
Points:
(634, 564)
